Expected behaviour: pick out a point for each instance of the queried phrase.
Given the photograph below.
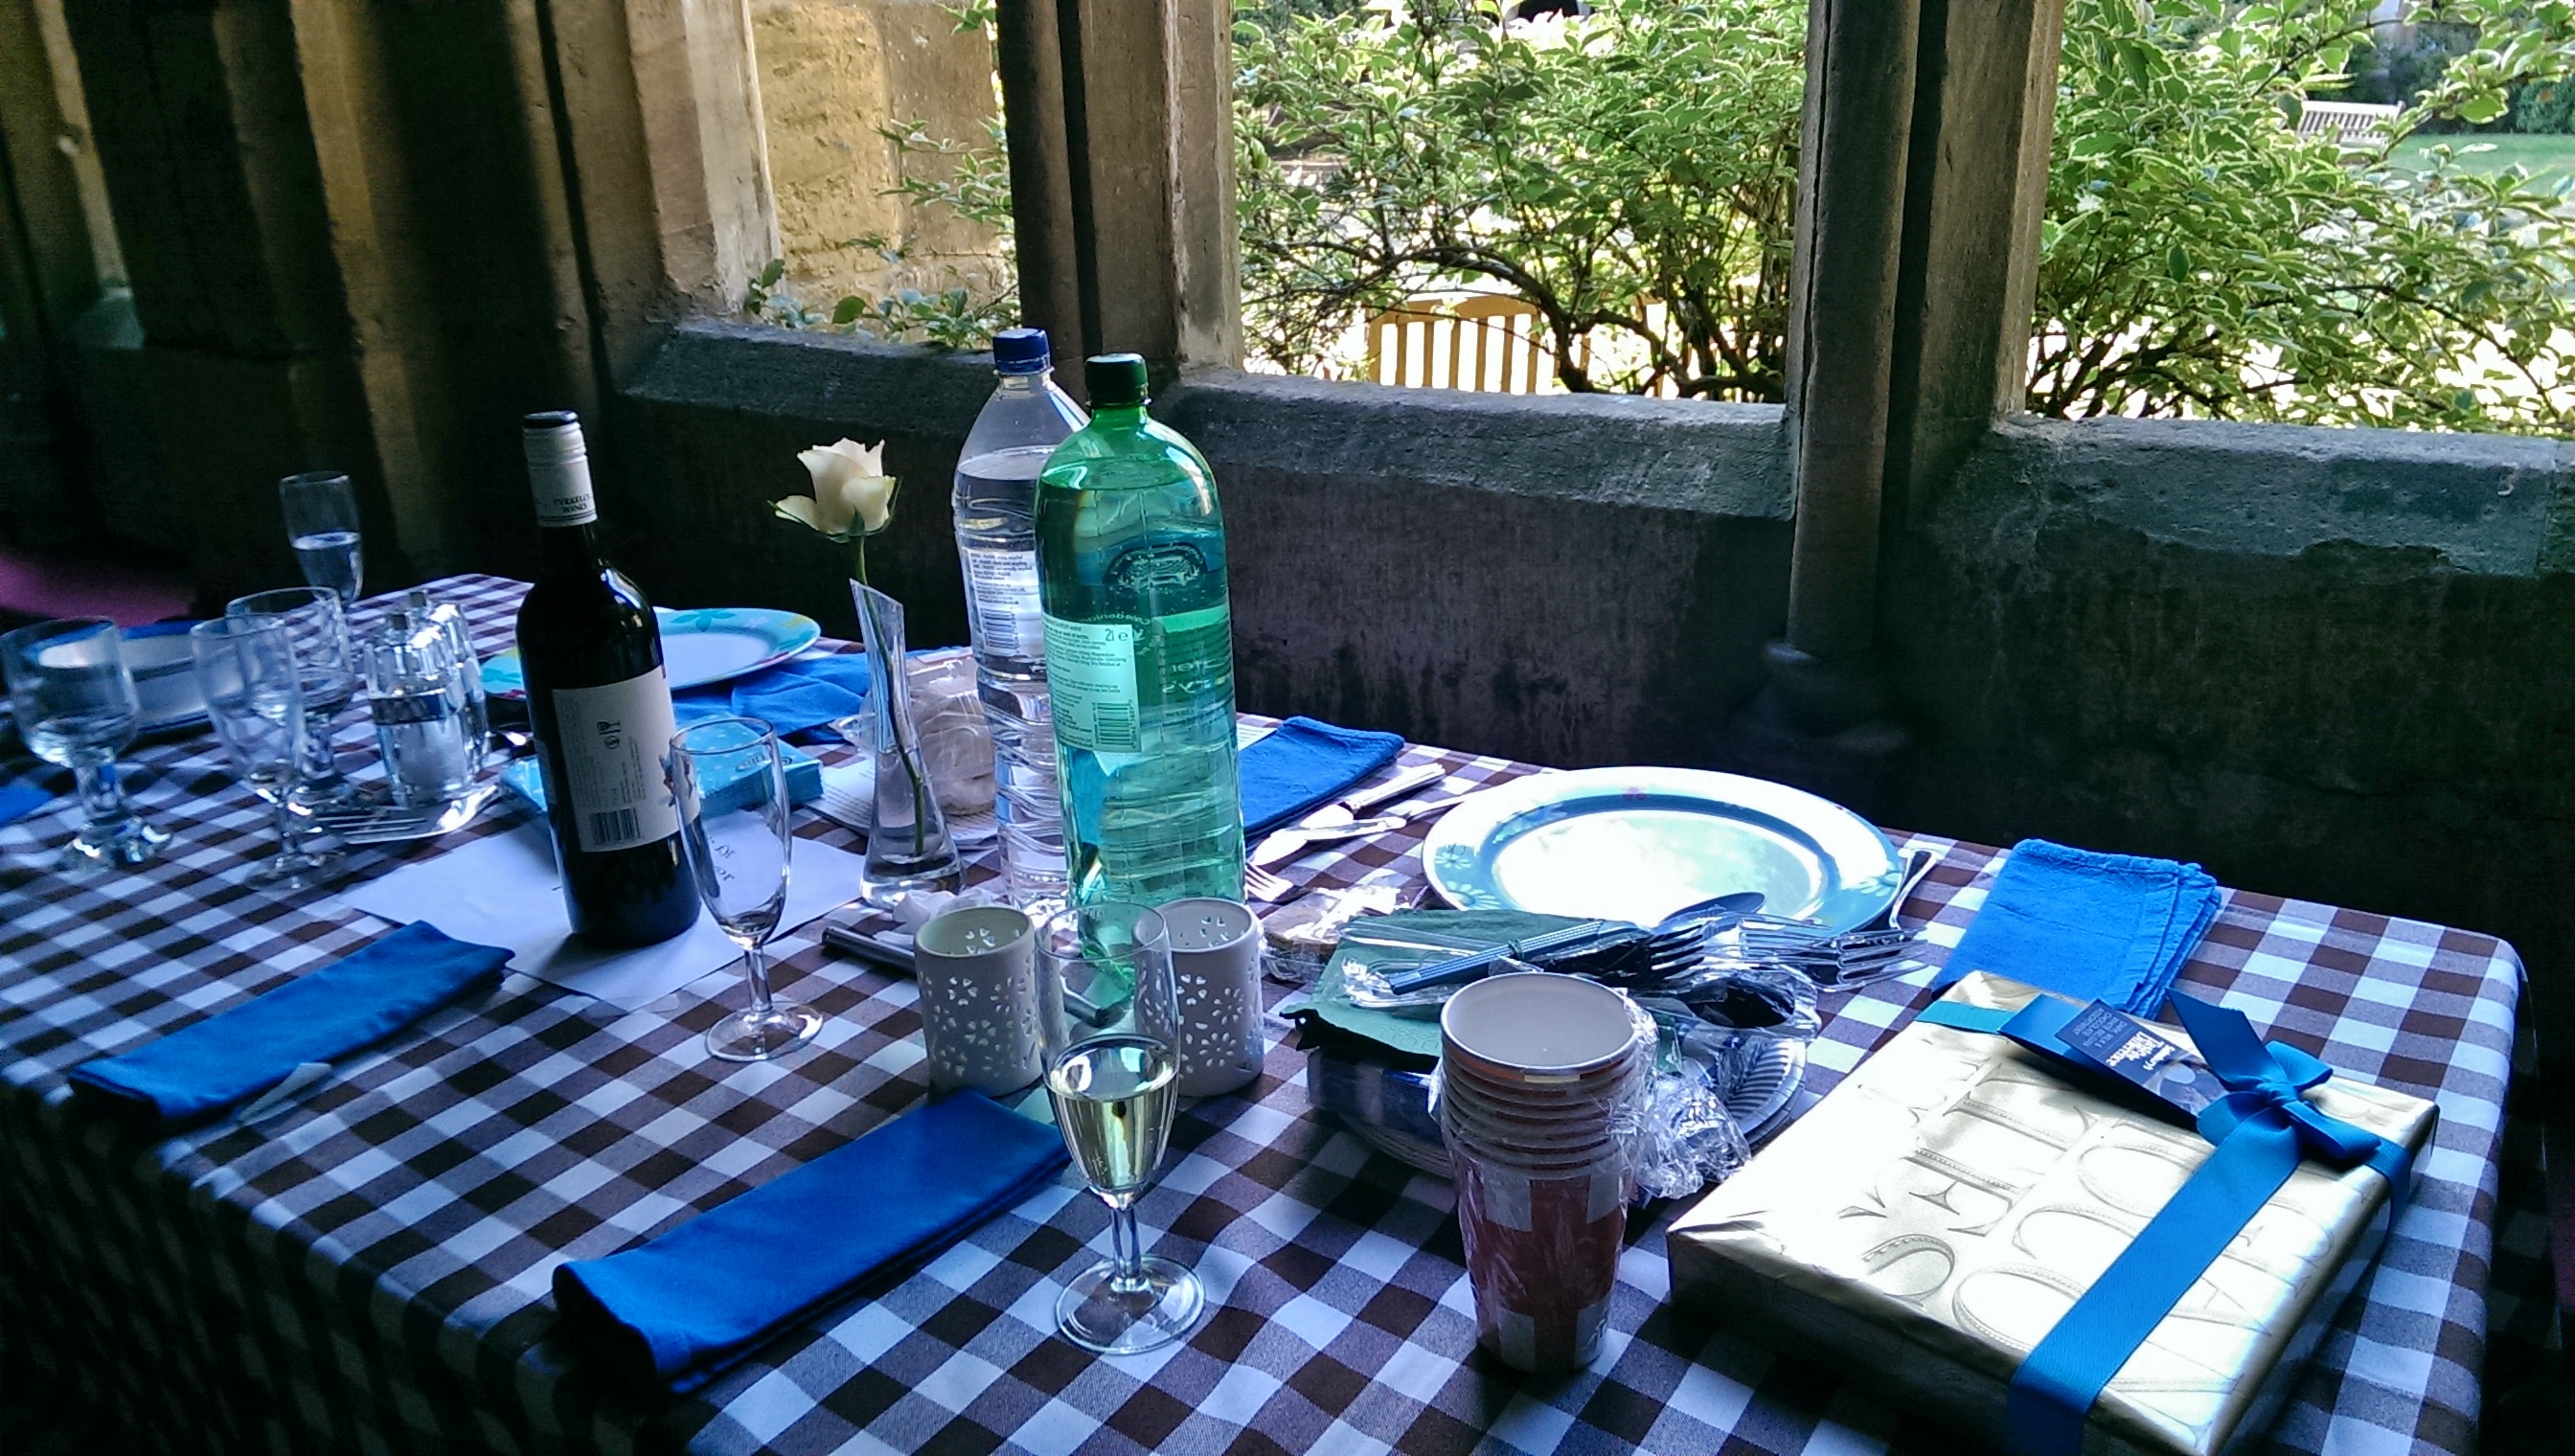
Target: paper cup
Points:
(1537, 1027)
(1541, 1259)
(1460, 1072)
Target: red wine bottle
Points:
(601, 705)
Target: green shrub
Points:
(1645, 155)
(2197, 259)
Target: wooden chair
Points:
(1489, 343)
(2356, 125)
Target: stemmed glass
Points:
(253, 682)
(731, 783)
(319, 629)
(1108, 1029)
(75, 705)
(322, 525)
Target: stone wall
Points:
(830, 73)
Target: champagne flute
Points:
(327, 667)
(731, 783)
(1108, 1029)
(254, 690)
(74, 702)
(322, 523)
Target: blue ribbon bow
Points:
(2267, 1084)
(2259, 1131)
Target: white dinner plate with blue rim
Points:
(701, 645)
(1638, 843)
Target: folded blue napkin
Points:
(20, 800)
(804, 782)
(229, 1059)
(2108, 928)
(804, 692)
(675, 1313)
(1304, 764)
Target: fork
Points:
(1678, 938)
(384, 824)
(1873, 951)
(1268, 888)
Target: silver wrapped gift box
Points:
(1928, 1223)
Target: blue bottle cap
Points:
(1019, 351)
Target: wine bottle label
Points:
(1091, 675)
(614, 739)
(1002, 591)
(563, 491)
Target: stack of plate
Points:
(701, 647)
(1637, 845)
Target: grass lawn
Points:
(2547, 157)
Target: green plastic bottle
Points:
(1140, 653)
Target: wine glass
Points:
(1109, 1029)
(326, 665)
(252, 682)
(75, 705)
(731, 784)
(322, 523)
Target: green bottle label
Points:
(1091, 678)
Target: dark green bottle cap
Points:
(1113, 379)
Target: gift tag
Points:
(2120, 1044)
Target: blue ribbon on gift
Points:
(2260, 1131)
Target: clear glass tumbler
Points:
(731, 783)
(74, 702)
(1109, 1032)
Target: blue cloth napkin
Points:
(675, 1311)
(20, 800)
(229, 1059)
(2108, 928)
(805, 692)
(1304, 764)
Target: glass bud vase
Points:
(908, 844)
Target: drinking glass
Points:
(1109, 1030)
(75, 705)
(731, 784)
(322, 523)
(319, 629)
(254, 691)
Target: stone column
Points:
(347, 244)
(1823, 707)
(1146, 114)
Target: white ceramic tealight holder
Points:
(1216, 959)
(976, 970)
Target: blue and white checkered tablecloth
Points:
(368, 1270)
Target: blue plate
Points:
(698, 647)
(1638, 843)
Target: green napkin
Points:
(1415, 1034)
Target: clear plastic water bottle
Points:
(1140, 652)
(997, 502)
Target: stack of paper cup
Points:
(1535, 1069)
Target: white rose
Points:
(851, 490)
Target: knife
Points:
(1285, 844)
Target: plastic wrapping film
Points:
(1931, 1218)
